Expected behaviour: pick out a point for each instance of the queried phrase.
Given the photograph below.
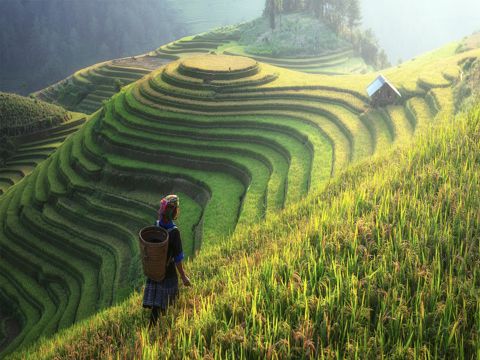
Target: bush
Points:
(22, 115)
(366, 45)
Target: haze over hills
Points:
(202, 15)
(317, 222)
(409, 28)
(70, 49)
(404, 28)
(44, 41)
(48, 40)
(316, 48)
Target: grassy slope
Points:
(87, 89)
(383, 262)
(357, 83)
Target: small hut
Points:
(382, 92)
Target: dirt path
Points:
(145, 62)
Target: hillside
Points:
(30, 130)
(300, 42)
(111, 173)
(87, 89)
(288, 46)
(381, 262)
(21, 115)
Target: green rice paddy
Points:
(240, 143)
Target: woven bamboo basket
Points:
(153, 250)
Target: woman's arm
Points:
(178, 256)
(181, 271)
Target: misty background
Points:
(409, 28)
(44, 41)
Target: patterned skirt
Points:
(160, 294)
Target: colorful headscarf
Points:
(167, 207)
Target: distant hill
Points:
(21, 115)
(300, 42)
(30, 131)
(87, 89)
(44, 41)
(296, 35)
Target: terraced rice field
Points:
(87, 89)
(33, 149)
(340, 61)
(235, 138)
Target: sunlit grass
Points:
(274, 289)
(383, 262)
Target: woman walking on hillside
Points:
(159, 294)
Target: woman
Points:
(158, 295)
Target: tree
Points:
(279, 9)
(272, 9)
(270, 12)
(318, 8)
(369, 47)
(288, 6)
(382, 61)
(299, 5)
(335, 11)
(353, 14)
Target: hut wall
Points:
(384, 96)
